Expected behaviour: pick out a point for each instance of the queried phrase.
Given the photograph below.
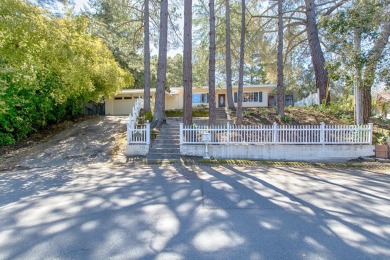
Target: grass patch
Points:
(300, 164)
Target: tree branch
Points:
(333, 8)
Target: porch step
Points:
(220, 113)
(164, 150)
(163, 145)
(166, 146)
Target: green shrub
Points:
(262, 111)
(6, 139)
(286, 119)
(174, 113)
(49, 68)
(380, 137)
(148, 116)
(200, 112)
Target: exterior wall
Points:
(174, 100)
(264, 102)
(281, 152)
(137, 149)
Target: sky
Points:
(79, 4)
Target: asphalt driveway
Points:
(193, 212)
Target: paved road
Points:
(193, 212)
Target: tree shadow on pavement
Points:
(178, 211)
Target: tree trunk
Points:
(241, 69)
(366, 105)
(317, 56)
(187, 63)
(358, 89)
(229, 90)
(369, 72)
(212, 65)
(159, 111)
(146, 59)
(280, 87)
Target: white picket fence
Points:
(137, 134)
(278, 134)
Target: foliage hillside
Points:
(298, 115)
(313, 115)
(49, 68)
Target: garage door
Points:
(123, 106)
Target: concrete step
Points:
(168, 138)
(164, 150)
(164, 160)
(167, 141)
(169, 134)
(162, 156)
(170, 126)
(165, 145)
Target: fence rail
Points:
(278, 134)
(137, 134)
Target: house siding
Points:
(174, 99)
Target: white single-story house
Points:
(254, 96)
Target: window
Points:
(118, 98)
(249, 97)
(199, 98)
(289, 100)
(128, 98)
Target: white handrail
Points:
(137, 134)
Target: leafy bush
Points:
(286, 119)
(262, 111)
(148, 116)
(174, 113)
(380, 137)
(200, 111)
(49, 68)
(337, 110)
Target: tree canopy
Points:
(49, 68)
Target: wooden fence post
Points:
(147, 132)
(322, 133)
(228, 132)
(371, 129)
(181, 133)
(275, 131)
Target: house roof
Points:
(175, 90)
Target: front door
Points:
(221, 100)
